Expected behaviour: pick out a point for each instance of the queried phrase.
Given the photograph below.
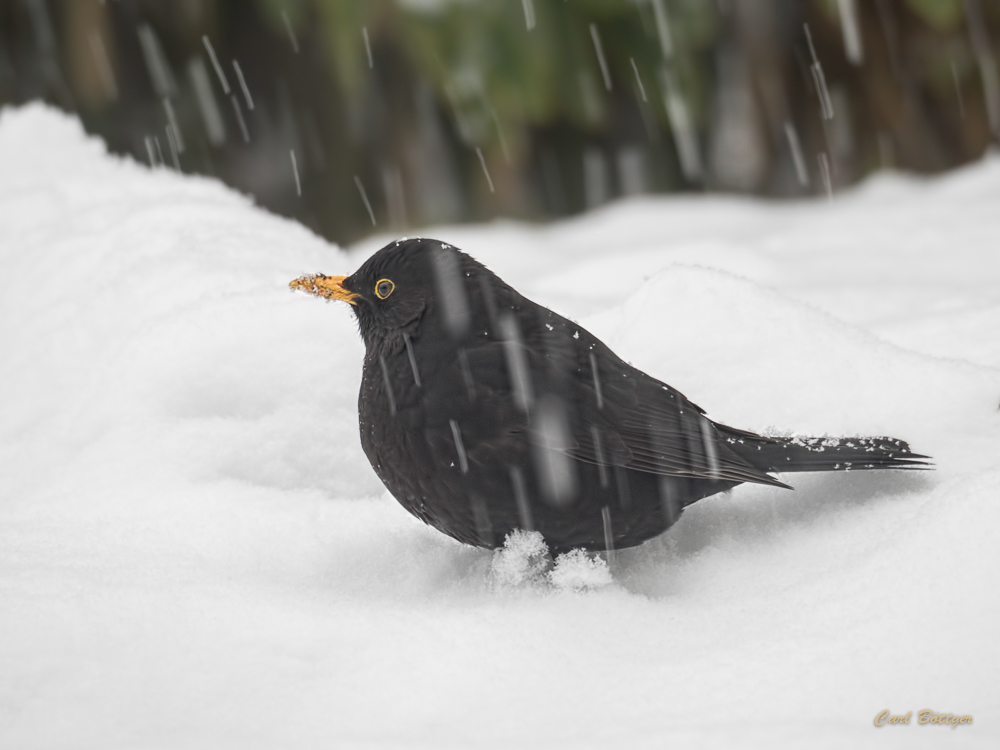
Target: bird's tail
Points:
(780, 454)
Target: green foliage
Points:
(531, 96)
(493, 73)
(275, 10)
(830, 9)
(941, 15)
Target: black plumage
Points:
(483, 412)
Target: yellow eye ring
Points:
(383, 288)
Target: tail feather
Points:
(782, 454)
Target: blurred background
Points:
(356, 116)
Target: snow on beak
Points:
(330, 287)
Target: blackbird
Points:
(483, 412)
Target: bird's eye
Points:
(384, 288)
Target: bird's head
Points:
(401, 285)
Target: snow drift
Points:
(194, 552)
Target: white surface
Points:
(195, 553)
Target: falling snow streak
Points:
(682, 126)
(388, 386)
(489, 301)
(958, 90)
(824, 171)
(624, 491)
(600, 56)
(517, 366)
(159, 151)
(638, 80)
(291, 31)
(364, 197)
(529, 13)
(819, 80)
(609, 536)
(149, 150)
(156, 62)
(168, 108)
(668, 499)
(708, 442)
(481, 517)
(482, 162)
(663, 29)
(215, 64)
(693, 445)
(295, 170)
(602, 468)
(243, 85)
(463, 364)
(521, 497)
(413, 359)
(207, 105)
(987, 62)
(44, 35)
(242, 123)
(826, 103)
(796, 148)
(456, 433)
(103, 65)
(172, 142)
(851, 30)
(500, 135)
(450, 286)
(551, 440)
(597, 381)
(368, 47)
(888, 23)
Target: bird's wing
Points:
(622, 417)
(659, 436)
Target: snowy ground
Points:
(195, 553)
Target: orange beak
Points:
(330, 287)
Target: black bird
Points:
(483, 412)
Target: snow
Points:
(523, 560)
(578, 571)
(195, 553)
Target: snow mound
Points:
(195, 552)
(578, 570)
(524, 563)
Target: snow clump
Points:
(523, 561)
(577, 570)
